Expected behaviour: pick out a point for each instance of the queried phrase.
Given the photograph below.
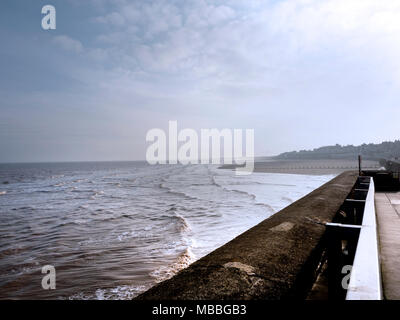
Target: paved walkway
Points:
(388, 218)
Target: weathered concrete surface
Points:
(388, 219)
(276, 259)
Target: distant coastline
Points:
(309, 166)
(371, 151)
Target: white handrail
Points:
(365, 279)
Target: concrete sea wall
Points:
(276, 259)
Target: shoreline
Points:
(308, 167)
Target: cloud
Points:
(304, 68)
(261, 45)
(68, 43)
(286, 56)
(229, 40)
(113, 18)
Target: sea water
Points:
(114, 229)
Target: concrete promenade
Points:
(277, 259)
(285, 256)
(388, 219)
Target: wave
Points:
(96, 218)
(179, 193)
(79, 180)
(57, 176)
(75, 190)
(75, 222)
(24, 269)
(124, 292)
(287, 199)
(183, 260)
(248, 194)
(182, 222)
(269, 207)
(124, 235)
(81, 221)
(58, 184)
(252, 196)
(24, 208)
(13, 251)
(184, 225)
(214, 182)
(277, 184)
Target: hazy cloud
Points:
(69, 44)
(300, 72)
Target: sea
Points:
(112, 230)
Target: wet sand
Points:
(309, 167)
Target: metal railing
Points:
(365, 279)
(353, 244)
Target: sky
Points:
(301, 73)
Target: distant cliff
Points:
(384, 150)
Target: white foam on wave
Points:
(59, 184)
(184, 259)
(124, 292)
